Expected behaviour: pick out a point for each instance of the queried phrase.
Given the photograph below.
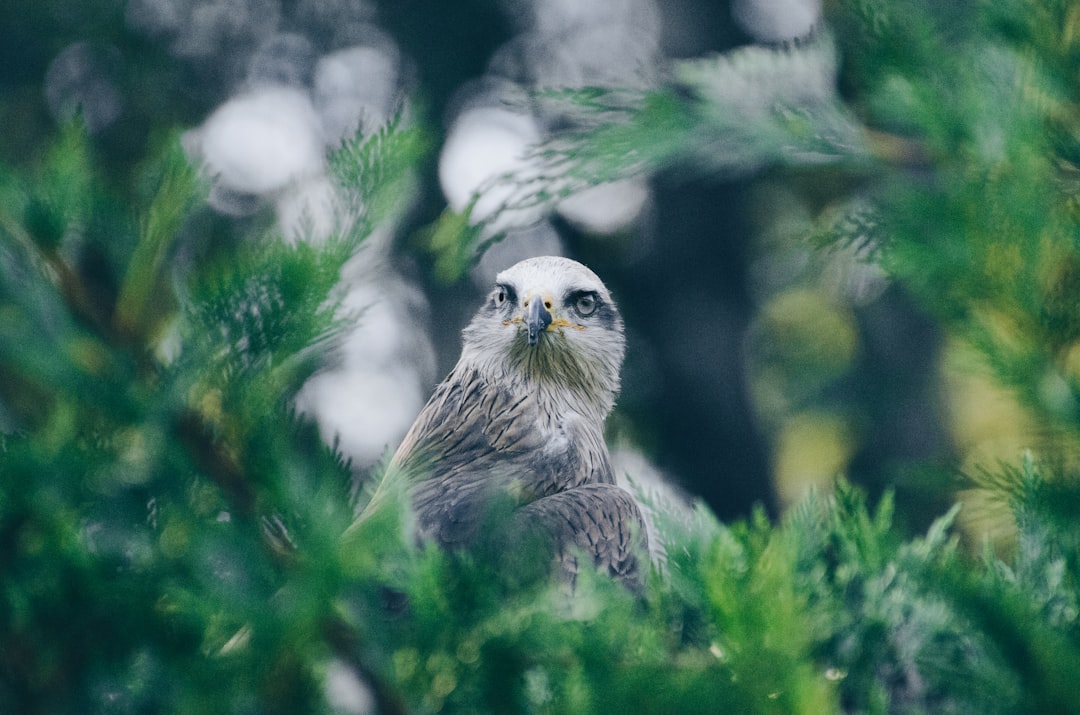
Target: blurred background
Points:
(758, 364)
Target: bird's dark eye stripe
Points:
(503, 294)
(602, 314)
(606, 316)
(584, 302)
(573, 296)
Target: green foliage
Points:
(455, 243)
(378, 172)
(152, 508)
(831, 610)
(174, 538)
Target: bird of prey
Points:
(520, 419)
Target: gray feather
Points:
(522, 424)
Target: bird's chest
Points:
(569, 453)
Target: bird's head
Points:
(550, 320)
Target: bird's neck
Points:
(560, 398)
(557, 388)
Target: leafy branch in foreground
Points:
(151, 510)
(831, 610)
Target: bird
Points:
(519, 421)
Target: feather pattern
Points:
(523, 424)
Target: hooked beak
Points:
(537, 319)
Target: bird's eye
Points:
(585, 304)
(503, 295)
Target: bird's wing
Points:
(601, 521)
(477, 442)
(472, 438)
(468, 423)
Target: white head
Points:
(550, 322)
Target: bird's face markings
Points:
(539, 313)
(583, 302)
(550, 320)
(593, 308)
(503, 298)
